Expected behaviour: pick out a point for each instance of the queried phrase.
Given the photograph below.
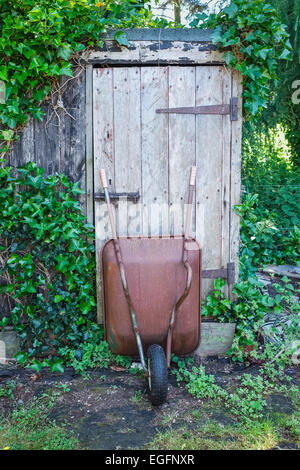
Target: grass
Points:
(290, 426)
(138, 398)
(215, 436)
(29, 428)
(199, 432)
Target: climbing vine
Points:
(255, 41)
(47, 261)
(39, 41)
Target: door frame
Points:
(158, 47)
(151, 47)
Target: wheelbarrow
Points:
(152, 296)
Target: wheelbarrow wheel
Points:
(158, 374)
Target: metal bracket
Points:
(231, 108)
(225, 273)
(134, 197)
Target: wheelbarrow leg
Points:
(185, 263)
(122, 270)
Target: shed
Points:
(146, 112)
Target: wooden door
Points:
(152, 153)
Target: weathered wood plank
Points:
(89, 165)
(209, 154)
(225, 77)
(127, 146)
(154, 154)
(156, 53)
(235, 185)
(47, 142)
(182, 144)
(23, 149)
(72, 132)
(103, 118)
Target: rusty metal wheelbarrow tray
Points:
(156, 279)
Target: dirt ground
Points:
(110, 408)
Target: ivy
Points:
(40, 39)
(47, 262)
(248, 309)
(254, 41)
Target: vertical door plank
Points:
(127, 143)
(225, 83)
(154, 154)
(22, 151)
(89, 144)
(72, 133)
(235, 193)
(181, 144)
(47, 142)
(209, 151)
(103, 158)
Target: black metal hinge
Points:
(134, 197)
(231, 108)
(225, 273)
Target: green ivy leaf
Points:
(3, 72)
(65, 52)
(286, 54)
(231, 10)
(121, 38)
(7, 135)
(21, 358)
(230, 58)
(58, 298)
(35, 365)
(57, 366)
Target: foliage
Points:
(282, 108)
(262, 242)
(246, 402)
(7, 391)
(270, 204)
(92, 354)
(39, 40)
(29, 428)
(255, 41)
(217, 305)
(270, 208)
(47, 261)
(270, 172)
(248, 310)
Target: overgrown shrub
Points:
(269, 170)
(248, 309)
(92, 354)
(270, 208)
(255, 41)
(263, 239)
(47, 265)
(40, 39)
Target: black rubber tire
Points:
(158, 374)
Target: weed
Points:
(29, 428)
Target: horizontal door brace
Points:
(231, 109)
(225, 273)
(134, 197)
